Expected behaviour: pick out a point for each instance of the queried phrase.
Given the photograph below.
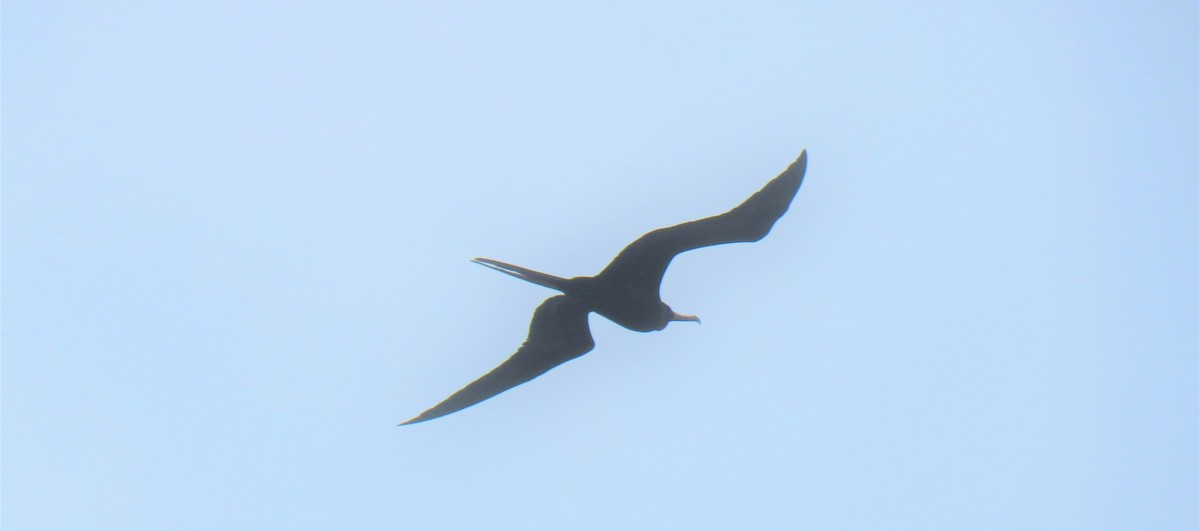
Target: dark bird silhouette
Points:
(626, 292)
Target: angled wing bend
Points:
(643, 262)
(558, 333)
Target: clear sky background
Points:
(236, 240)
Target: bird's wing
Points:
(558, 333)
(642, 263)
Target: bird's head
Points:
(669, 315)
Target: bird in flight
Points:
(626, 292)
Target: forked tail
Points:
(528, 275)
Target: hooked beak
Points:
(681, 317)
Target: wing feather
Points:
(643, 262)
(558, 333)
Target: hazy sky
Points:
(236, 240)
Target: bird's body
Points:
(625, 292)
(619, 302)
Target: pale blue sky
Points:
(236, 240)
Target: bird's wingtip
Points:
(801, 161)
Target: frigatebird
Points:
(626, 292)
